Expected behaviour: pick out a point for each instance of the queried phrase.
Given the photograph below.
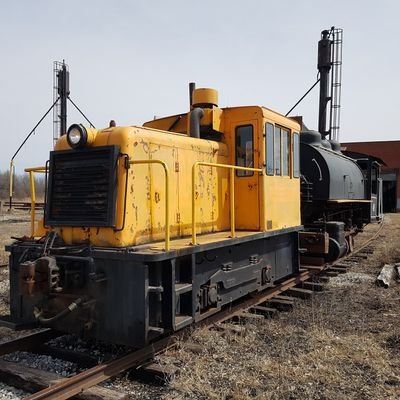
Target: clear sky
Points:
(131, 60)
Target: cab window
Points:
(285, 152)
(244, 149)
(269, 150)
(296, 155)
(277, 150)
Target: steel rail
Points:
(78, 383)
(367, 242)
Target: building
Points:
(389, 152)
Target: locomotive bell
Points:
(205, 98)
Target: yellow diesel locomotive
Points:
(151, 228)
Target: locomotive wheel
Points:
(335, 250)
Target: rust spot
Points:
(157, 197)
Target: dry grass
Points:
(342, 344)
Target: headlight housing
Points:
(77, 136)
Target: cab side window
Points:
(244, 149)
(277, 150)
(269, 150)
(285, 152)
(296, 155)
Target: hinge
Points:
(126, 161)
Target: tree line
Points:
(21, 186)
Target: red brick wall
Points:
(389, 152)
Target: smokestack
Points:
(192, 87)
(63, 92)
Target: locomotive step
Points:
(181, 288)
(182, 320)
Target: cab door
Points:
(247, 183)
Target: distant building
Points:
(389, 152)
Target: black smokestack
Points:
(63, 92)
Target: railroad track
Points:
(26, 205)
(22, 205)
(266, 303)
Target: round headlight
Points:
(77, 136)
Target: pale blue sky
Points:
(131, 60)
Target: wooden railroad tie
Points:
(156, 373)
(245, 316)
(227, 327)
(282, 303)
(33, 380)
(331, 274)
(339, 270)
(300, 293)
(267, 312)
(314, 286)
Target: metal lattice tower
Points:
(336, 83)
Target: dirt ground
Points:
(344, 343)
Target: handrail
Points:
(233, 168)
(166, 170)
(33, 193)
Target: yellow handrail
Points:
(166, 170)
(233, 168)
(33, 193)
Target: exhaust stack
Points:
(324, 67)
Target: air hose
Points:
(45, 321)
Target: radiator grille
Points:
(82, 187)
